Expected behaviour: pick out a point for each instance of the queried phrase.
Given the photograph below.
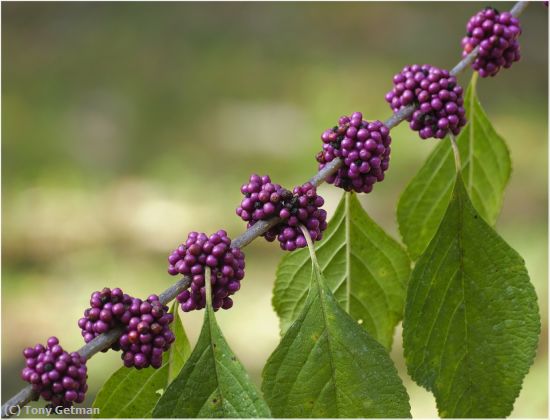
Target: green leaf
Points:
(134, 393)
(365, 268)
(212, 383)
(486, 167)
(180, 349)
(326, 365)
(471, 321)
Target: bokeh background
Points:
(126, 125)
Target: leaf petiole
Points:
(456, 152)
(311, 248)
(208, 287)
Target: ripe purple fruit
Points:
(108, 309)
(436, 96)
(497, 36)
(364, 148)
(302, 208)
(57, 376)
(262, 200)
(147, 335)
(146, 326)
(226, 264)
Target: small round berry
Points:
(304, 208)
(138, 340)
(299, 206)
(262, 200)
(497, 35)
(365, 153)
(54, 374)
(226, 263)
(109, 308)
(436, 96)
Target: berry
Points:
(226, 264)
(59, 377)
(302, 208)
(147, 334)
(437, 97)
(364, 148)
(262, 200)
(497, 36)
(146, 326)
(108, 308)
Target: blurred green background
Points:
(126, 125)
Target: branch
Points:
(105, 340)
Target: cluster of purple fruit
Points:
(57, 376)
(302, 209)
(147, 334)
(264, 199)
(146, 324)
(108, 308)
(497, 36)
(364, 148)
(437, 97)
(226, 264)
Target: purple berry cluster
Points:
(436, 95)
(226, 264)
(59, 377)
(365, 149)
(497, 36)
(108, 309)
(264, 199)
(302, 209)
(148, 333)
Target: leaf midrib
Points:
(460, 247)
(213, 326)
(301, 265)
(461, 273)
(320, 284)
(211, 321)
(471, 133)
